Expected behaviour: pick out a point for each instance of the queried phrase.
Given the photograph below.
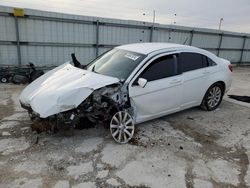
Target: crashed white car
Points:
(128, 85)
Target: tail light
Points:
(230, 66)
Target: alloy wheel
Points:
(122, 127)
(214, 97)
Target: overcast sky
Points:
(194, 13)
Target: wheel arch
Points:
(202, 105)
(222, 83)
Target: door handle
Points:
(176, 81)
(206, 72)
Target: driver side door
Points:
(162, 92)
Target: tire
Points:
(19, 79)
(4, 80)
(213, 97)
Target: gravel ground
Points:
(193, 148)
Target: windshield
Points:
(116, 63)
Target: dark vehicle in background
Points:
(5, 75)
(28, 76)
(19, 75)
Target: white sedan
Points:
(128, 85)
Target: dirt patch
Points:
(189, 177)
(136, 140)
(211, 150)
(243, 162)
(202, 137)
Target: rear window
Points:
(190, 61)
(210, 62)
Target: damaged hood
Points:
(62, 89)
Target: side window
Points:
(188, 61)
(160, 68)
(207, 62)
(210, 62)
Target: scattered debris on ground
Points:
(240, 98)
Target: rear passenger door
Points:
(209, 68)
(192, 67)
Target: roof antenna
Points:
(185, 41)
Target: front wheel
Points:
(122, 127)
(212, 98)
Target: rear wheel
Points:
(122, 127)
(213, 97)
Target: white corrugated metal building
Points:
(48, 38)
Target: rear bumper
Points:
(228, 84)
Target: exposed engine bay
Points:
(98, 108)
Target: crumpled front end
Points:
(61, 89)
(71, 96)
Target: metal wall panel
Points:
(246, 57)
(7, 29)
(58, 32)
(48, 38)
(8, 55)
(162, 35)
(247, 43)
(232, 42)
(47, 56)
(120, 35)
(179, 37)
(173, 36)
(205, 40)
(233, 56)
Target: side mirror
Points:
(142, 82)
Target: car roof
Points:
(147, 48)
